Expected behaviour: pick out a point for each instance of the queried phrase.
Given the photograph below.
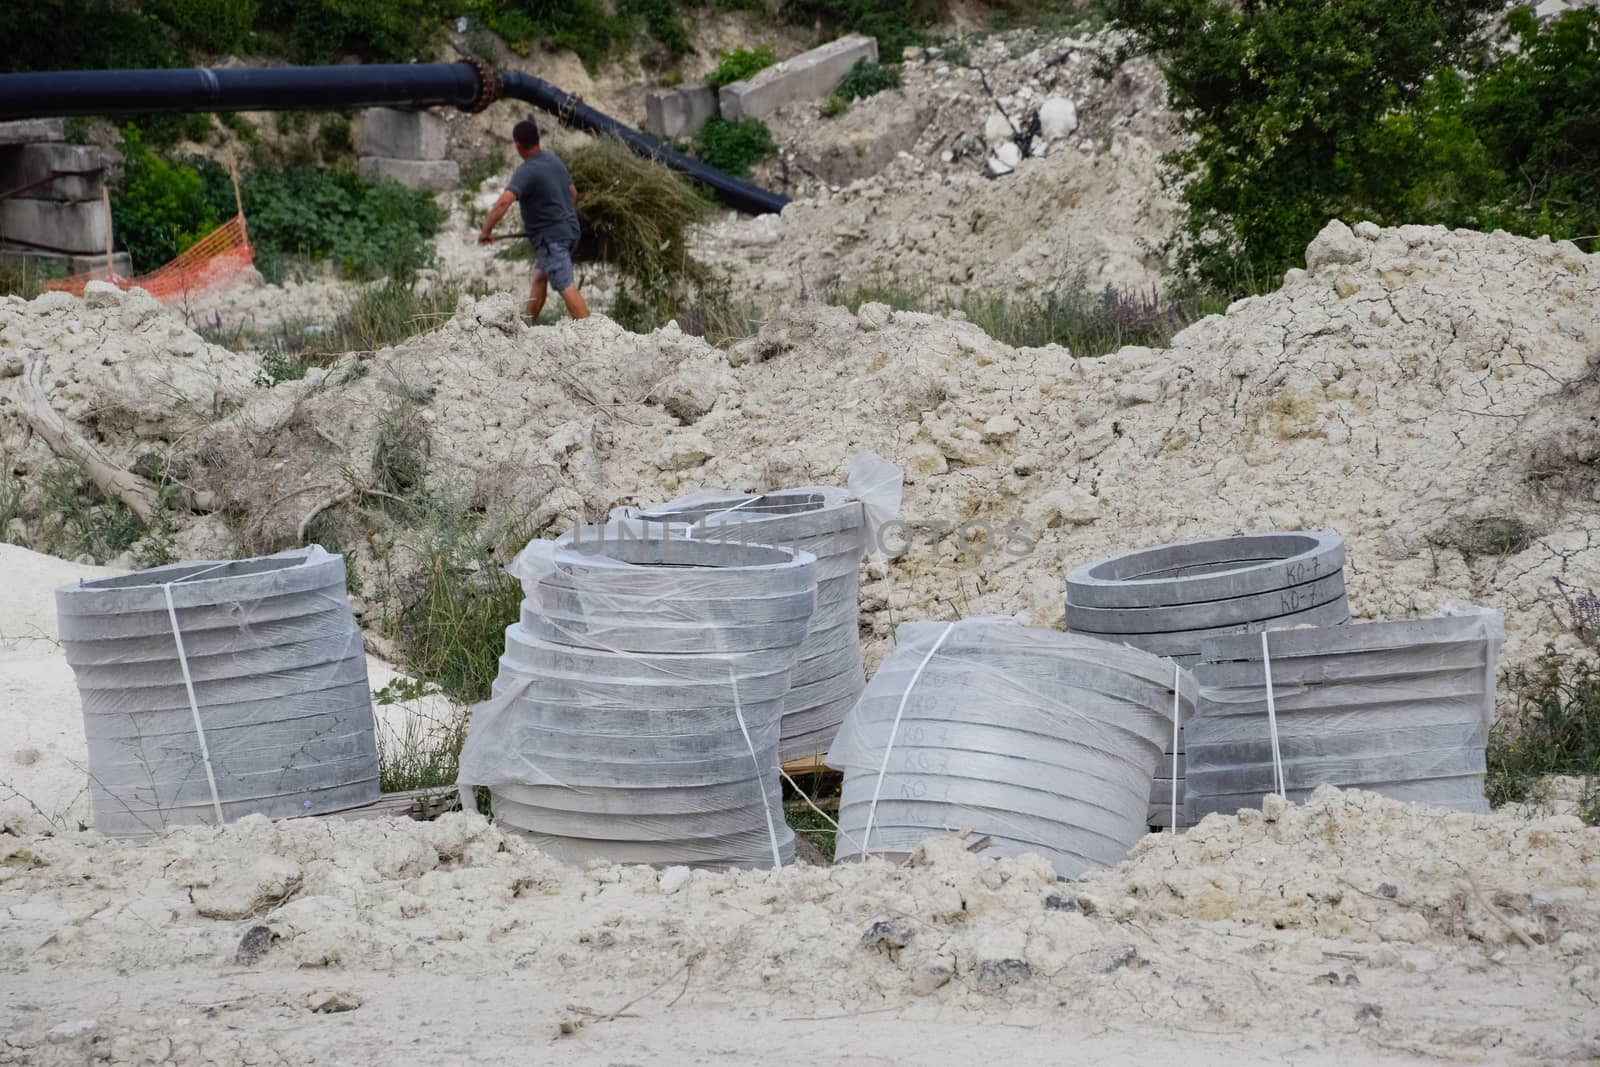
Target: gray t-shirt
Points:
(542, 185)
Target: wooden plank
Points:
(423, 805)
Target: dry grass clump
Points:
(635, 214)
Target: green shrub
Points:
(741, 64)
(866, 79)
(735, 146)
(367, 230)
(80, 520)
(82, 35)
(897, 24)
(835, 105)
(585, 27)
(661, 20)
(216, 26)
(334, 140)
(1300, 112)
(320, 31)
(159, 208)
(1555, 728)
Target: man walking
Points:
(544, 189)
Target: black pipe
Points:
(123, 92)
(737, 194)
(469, 86)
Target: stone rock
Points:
(1336, 245)
(674, 879)
(253, 944)
(331, 1001)
(997, 129)
(1058, 117)
(888, 935)
(931, 978)
(685, 452)
(874, 316)
(1008, 154)
(99, 294)
(994, 975)
(692, 391)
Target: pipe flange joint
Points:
(489, 85)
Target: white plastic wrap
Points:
(1400, 708)
(638, 706)
(835, 525)
(1168, 599)
(214, 690)
(1042, 741)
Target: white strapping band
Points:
(1278, 783)
(766, 805)
(1177, 680)
(872, 809)
(188, 685)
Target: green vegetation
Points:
(741, 64)
(734, 146)
(77, 519)
(1085, 321)
(1555, 730)
(368, 230)
(867, 79)
(897, 24)
(1303, 111)
(160, 207)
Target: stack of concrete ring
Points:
(1170, 599)
(830, 524)
(1040, 741)
(279, 716)
(1399, 708)
(636, 714)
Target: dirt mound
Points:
(1444, 423)
(1071, 221)
(258, 928)
(1010, 163)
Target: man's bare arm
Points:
(573, 190)
(501, 206)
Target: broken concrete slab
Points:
(430, 176)
(416, 135)
(680, 112)
(808, 76)
(28, 166)
(31, 131)
(54, 225)
(62, 264)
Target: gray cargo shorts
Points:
(555, 259)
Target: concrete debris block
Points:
(808, 76)
(1336, 245)
(30, 166)
(55, 225)
(1008, 154)
(680, 112)
(32, 131)
(931, 978)
(1058, 117)
(874, 316)
(674, 879)
(419, 135)
(428, 176)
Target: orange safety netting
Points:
(220, 256)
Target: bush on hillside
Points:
(741, 64)
(1303, 111)
(160, 207)
(320, 31)
(734, 146)
(867, 79)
